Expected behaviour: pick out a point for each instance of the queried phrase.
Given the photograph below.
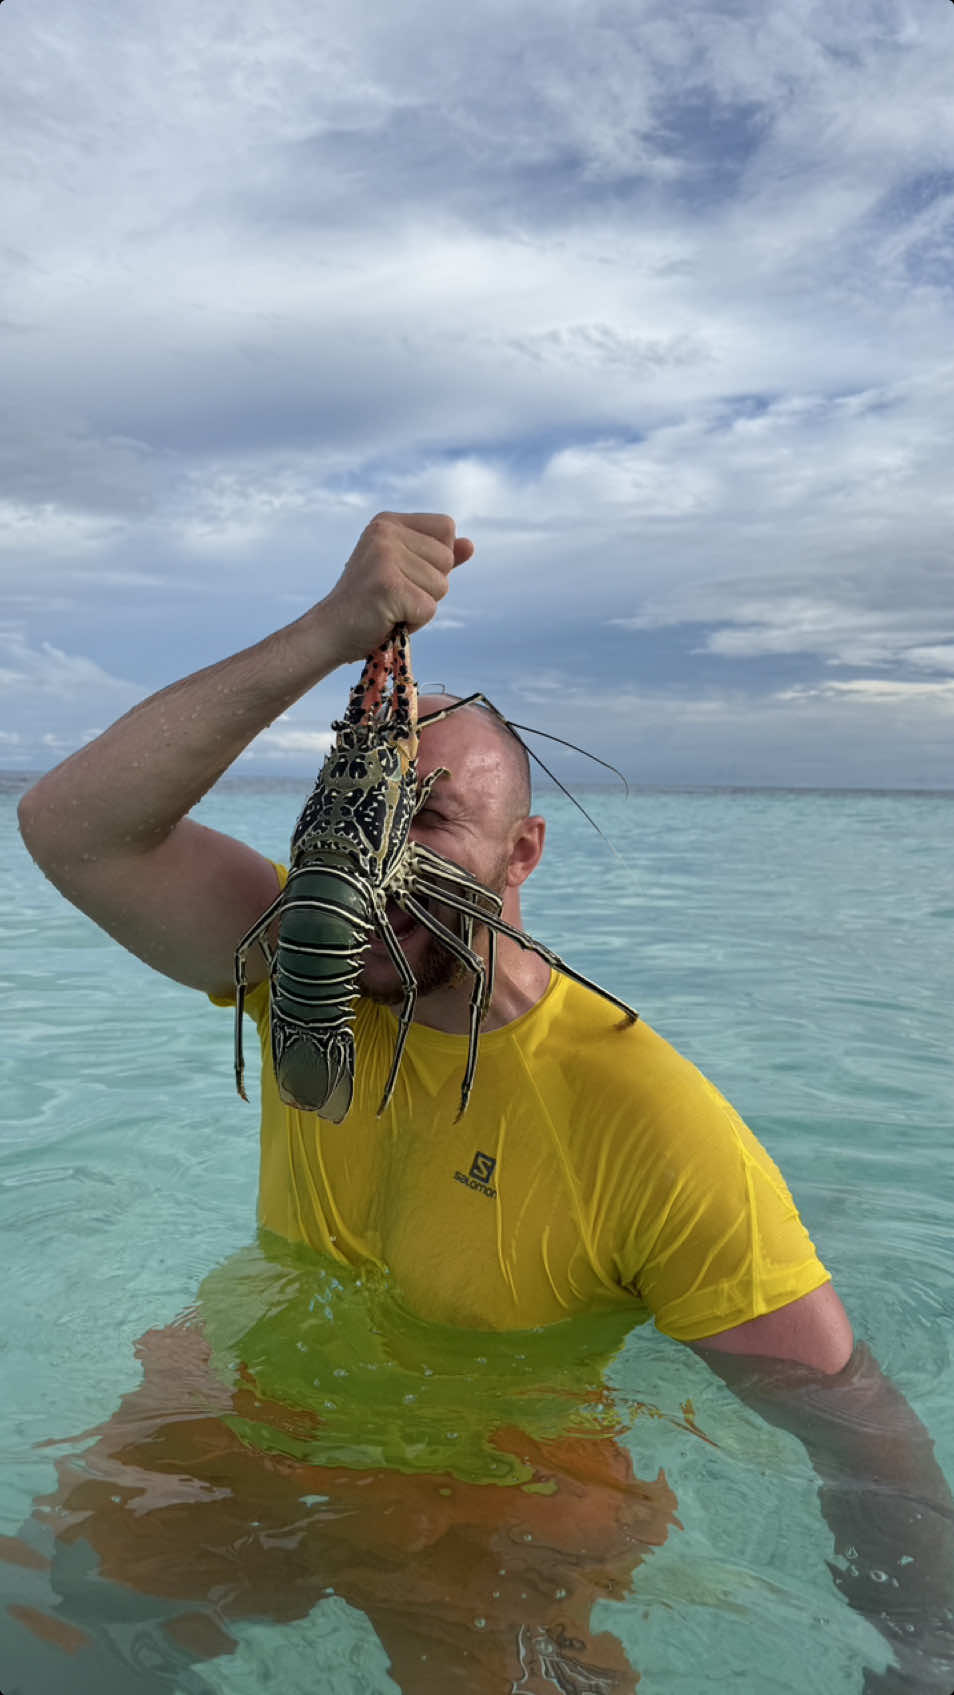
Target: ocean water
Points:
(797, 946)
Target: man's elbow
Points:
(41, 825)
(52, 834)
(30, 811)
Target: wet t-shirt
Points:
(594, 1168)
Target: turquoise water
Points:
(799, 947)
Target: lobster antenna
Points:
(513, 728)
(555, 779)
(583, 750)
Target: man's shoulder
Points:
(599, 1032)
(630, 1074)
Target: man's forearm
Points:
(128, 789)
(884, 1497)
(891, 1512)
(895, 1565)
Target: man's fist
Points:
(397, 574)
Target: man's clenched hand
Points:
(398, 573)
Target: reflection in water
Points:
(301, 1435)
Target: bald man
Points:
(595, 1172)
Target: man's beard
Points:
(437, 968)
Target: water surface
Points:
(798, 946)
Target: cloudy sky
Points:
(657, 301)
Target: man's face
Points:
(465, 820)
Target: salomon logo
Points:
(479, 1175)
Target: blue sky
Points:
(657, 301)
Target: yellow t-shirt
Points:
(594, 1167)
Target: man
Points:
(622, 1181)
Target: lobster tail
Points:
(322, 936)
(315, 1070)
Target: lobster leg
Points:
(558, 964)
(467, 933)
(473, 963)
(435, 865)
(496, 923)
(491, 968)
(256, 934)
(410, 998)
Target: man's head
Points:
(477, 816)
(482, 742)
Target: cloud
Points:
(940, 658)
(47, 697)
(279, 743)
(50, 529)
(48, 671)
(657, 303)
(875, 691)
(442, 622)
(842, 634)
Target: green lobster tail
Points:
(315, 1073)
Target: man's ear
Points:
(526, 850)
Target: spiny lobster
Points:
(351, 853)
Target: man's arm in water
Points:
(883, 1493)
(109, 827)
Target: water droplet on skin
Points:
(480, 1623)
(495, 1595)
(528, 1535)
(560, 1594)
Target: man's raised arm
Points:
(109, 825)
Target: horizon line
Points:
(10, 775)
